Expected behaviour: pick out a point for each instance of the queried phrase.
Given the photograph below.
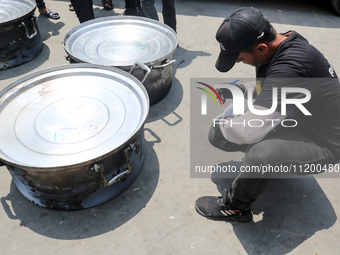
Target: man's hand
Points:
(225, 93)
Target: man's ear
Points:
(262, 48)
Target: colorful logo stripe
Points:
(208, 94)
(213, 90)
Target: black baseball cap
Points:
(238, 31)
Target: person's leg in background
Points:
(45, 11)
(149, 9)
(83, 9)
(169, 14)
(40, 4)
(133, 8)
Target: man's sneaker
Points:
(218, 208)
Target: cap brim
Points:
(225, 62)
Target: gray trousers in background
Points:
(168, 11)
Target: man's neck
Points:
(274, 45)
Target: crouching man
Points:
(286, 64)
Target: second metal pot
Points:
(123, 41)
(20, 37)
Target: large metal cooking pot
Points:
(20, 37)
(121, 41)
(72, 136)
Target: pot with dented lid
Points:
(72, 136)
(141, 46)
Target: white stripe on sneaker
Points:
(227, 212)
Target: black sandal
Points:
(107, 4)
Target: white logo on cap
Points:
(332, 71)
(222, 46)
(260, 35)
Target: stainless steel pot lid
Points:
(120, 41)
(13, 9)
(69, 114)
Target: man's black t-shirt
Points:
(298, 64)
